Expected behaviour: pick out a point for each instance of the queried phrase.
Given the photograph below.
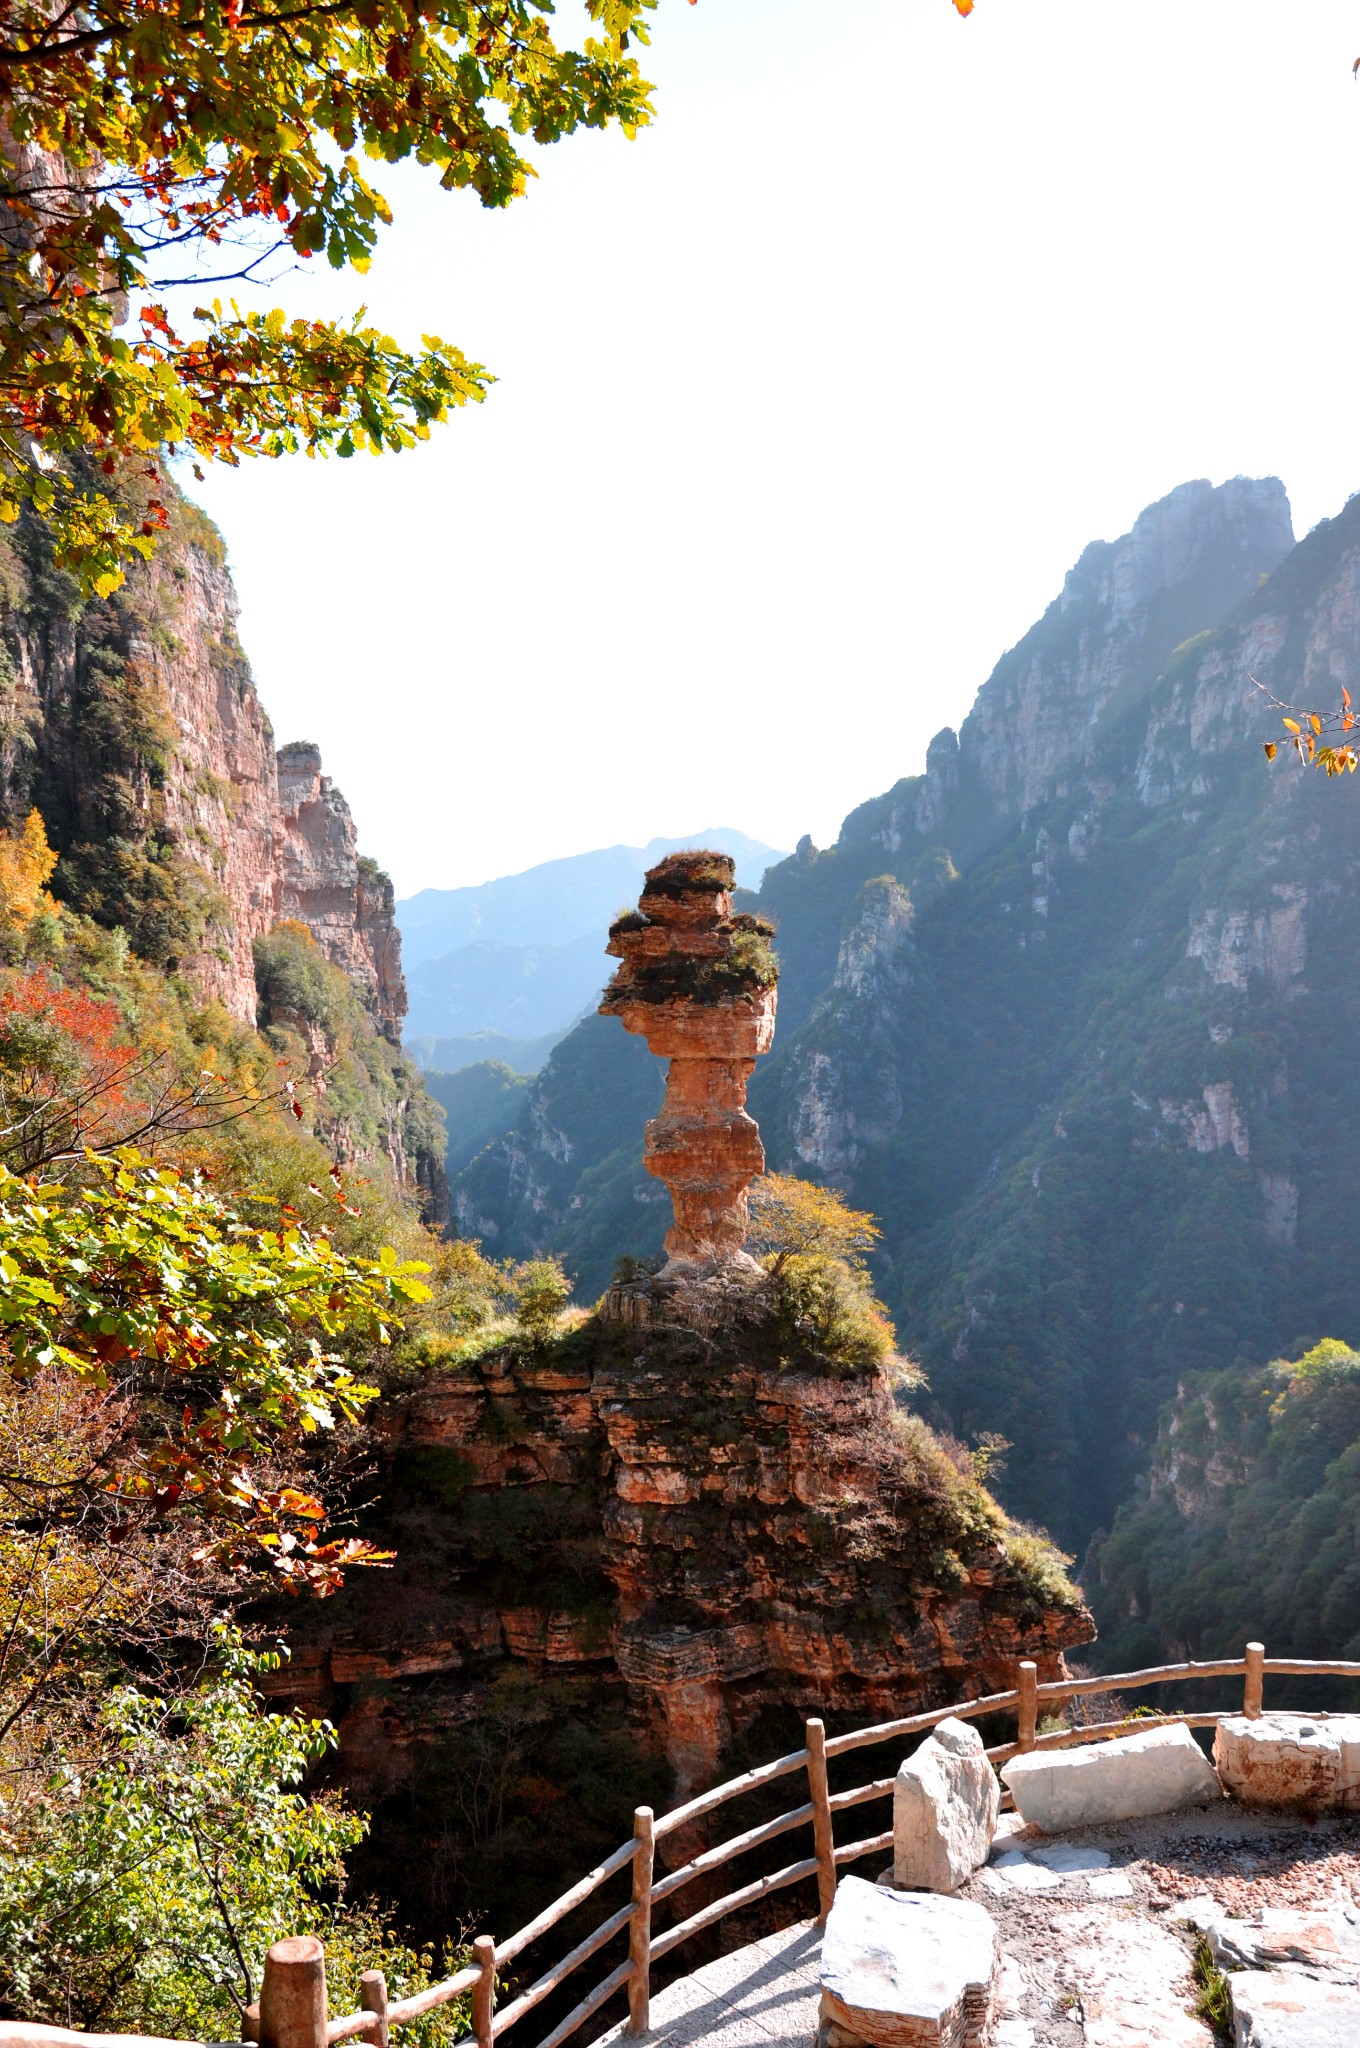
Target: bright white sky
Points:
(808, 399)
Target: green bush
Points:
(293, 975)
(543, 1292)
(142, 1888)
(830, 1307)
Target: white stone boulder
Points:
(1290, 1760)
(906, 1969)
(1272, 2010)
(945, 1807)
(1134, 1775)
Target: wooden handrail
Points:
(874, 1845)
(862, 1794)
(914, 1724)
(377, 2016)
(824, 1840)
(1157, 1674)
(680, 1816)
(1310, 1667)
(1132, 1724)
(436, 1994)
(592, 2001)
(720, 1908)
(559, 1909)
(725, 1851)
(550, 1979)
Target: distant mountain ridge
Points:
(520, 992)
(1071, 1012)
(557, 901)
(523, 955)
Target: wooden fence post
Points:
(250, 2022)
(373, 1998)
(293, 1995)
(1256, 1679)
(823, 1839)
(484, 1990)
(640, 1926)
(1027, 1714)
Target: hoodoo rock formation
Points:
(627, 1549)
(698, 983)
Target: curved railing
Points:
(292, 2010)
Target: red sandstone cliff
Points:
(678, 1522)
(142, 739)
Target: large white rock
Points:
(1290, 1760)
(945, 1807)
(907, 1969)
(1272, 2010)
(1057, 1789)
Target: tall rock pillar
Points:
(698, 983)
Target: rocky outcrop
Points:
(698, 983)
(346, 902)
(152, 760)
(681, 1519)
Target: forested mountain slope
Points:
(1069, 1012)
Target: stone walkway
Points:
(1096, 1934)
(766, 1993)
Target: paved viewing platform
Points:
(1097, 1932)
(767, 1992)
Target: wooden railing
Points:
(292, 2010)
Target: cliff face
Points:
(135, 727)
(1188, 561)
(345, 901)
(1070, 1011)
(674, 1527)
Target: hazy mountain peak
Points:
(558, 900)
(1187, 562)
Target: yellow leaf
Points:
(1315, 721)
(1291, 723)
(1270, 750)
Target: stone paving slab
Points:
(1276, 2011)
(767, 1992)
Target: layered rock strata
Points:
(678, 1522)
(698, 983)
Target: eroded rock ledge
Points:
(670, 1529)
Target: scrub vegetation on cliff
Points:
(1250, 1523)
(628, 1558)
